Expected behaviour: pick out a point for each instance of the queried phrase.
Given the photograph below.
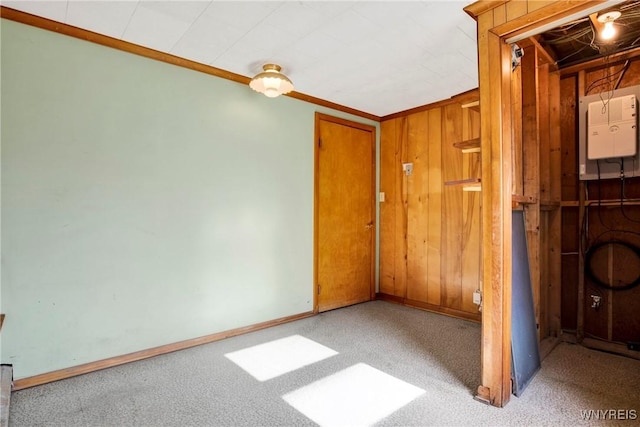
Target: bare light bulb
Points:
(608, 31)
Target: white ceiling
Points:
(379, 57)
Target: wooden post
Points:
(555, 215)
(581, 213)
(495, 90)
(496, 24)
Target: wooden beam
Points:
(544, 56)
(553, 11)
(604, 61)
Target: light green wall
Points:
(143, 203)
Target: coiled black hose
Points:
(588, 269)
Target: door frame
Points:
(316, 199)
(495, 33)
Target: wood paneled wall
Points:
(616, 319)
(429, 231)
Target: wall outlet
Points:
(382, 197)
(407, 168)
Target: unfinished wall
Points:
(616, 319)
(429, 231)
(536, 177)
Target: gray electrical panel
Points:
(608, 134)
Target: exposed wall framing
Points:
(591, 208)
(497, 21)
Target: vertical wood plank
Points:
(545, 191)
(470, 217)
(451, 261)
(388, 175)
(494, 58)
(543, 88)
(500, 14)
(515, 9)
(531, 90)
(543, 327)
(516, 109)
(581, 89)
(555, 217)
(434, 239)
(418, 206)
(500, 60)
(401, 205)
(490, 348)
(533, 5)
(568, 107)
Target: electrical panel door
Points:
(612, 128)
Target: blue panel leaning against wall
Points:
(143, 203)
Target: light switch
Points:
(381, 196)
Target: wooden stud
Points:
(581, 213)
(517, 174)
(554, 228)
(531, 94)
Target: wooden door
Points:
(345, 212)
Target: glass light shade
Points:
(271, 82)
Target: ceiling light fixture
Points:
(607, 19)
(271, 81)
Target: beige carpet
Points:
(435, 357)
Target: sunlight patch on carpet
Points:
(272, 359)
(357, 396)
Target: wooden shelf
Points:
(473, 105)
(469, 184)
(470, 146)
